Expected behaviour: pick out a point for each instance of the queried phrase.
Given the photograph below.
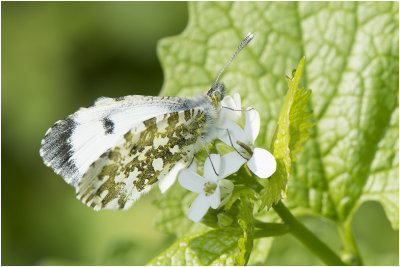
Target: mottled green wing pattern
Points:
(144, 155)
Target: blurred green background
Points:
(57, 57)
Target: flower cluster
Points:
(213, 185)
(210, 187)
(261, 162)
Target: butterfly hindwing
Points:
(144, 155)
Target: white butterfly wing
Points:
(73, 144)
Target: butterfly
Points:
(115, 150)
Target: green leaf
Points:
(292, 131)
(383, 184)
(226, 246)
(355, 96)
(246, 222)
(215, 247)
(352, 69)
(260, 251)
(202, 248)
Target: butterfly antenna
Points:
(245, 41)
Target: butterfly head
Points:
(216, 93)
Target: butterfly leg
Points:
(208, 155)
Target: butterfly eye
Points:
(217, 92)
(214, 95)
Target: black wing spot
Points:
(108, 126)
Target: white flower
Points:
(261, 162)
(231, 108)
(210, 187)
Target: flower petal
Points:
(198, 208)
(262, 163)
(228, 102)
(228, 105)
(252, 124)
(191, 181)
(215, 198)
(230, 163)
(235, 132)
(193, 166)
(210, 169)
(236, 99)
(167, 181)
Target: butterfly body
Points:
(115, 150)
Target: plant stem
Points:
(270, 229)
(350, 254)
(298, 230)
